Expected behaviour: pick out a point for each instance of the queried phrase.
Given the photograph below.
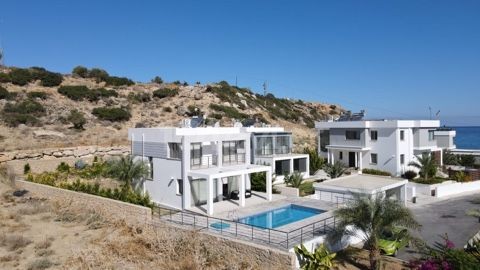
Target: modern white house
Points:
(388, 145)
(197, 166)
(272, 146)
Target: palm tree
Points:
(366, 217)
(335, 170)
(128, 170)
(426, 164)
(294, 180)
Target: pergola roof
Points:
(216, 172)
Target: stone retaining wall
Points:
(117, 210)
(69, 152)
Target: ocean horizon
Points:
(468, 137)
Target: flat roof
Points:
(379, 124)
(361, 183)
(218, 172)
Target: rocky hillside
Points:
(41, 109)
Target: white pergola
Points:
(358, 154)
(243, 171)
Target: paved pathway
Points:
(445, 216)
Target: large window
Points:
(373, 158)
(340, 155)
(402, 159)
(264, 146)
(300, 165)
(175, 150)
(196, 153)
(402, 135)
(352, 135)
(282, 167)
(373, 135)
(324, 140)
(282, 145)
(233, 152)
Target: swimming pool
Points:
(280, 216)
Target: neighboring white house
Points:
(197, 166)
(273, 146)
(387, 145)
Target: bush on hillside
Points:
(80, 92)
(112, 114)
(37, 94)
(80, 71)
(15, 119)
(4, 94)
(165, 92)
(4, 77)
(50, 79)
(99, 74)
(75, 92)
(77, 119)
(168, 109)
(228, 111)
(139, 97)
(118, 81)
(157, 79)
(376, 172)
(25, 107)
(20, 76)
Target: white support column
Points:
(219, 154)
(360, 163)
(332, 158)
(441, 157)
(219, 189)
(356, 159)
(328, 155)
(291, 166)
(209, 196)
(242, 190)
(269, 185)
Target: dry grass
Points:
(14, 242)
(40, 264)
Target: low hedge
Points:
(112, 114)
(25, 107)
(80, 92)
(376, 172)
(37, 94)
(228, 111)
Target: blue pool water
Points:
(280, 216)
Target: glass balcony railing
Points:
(203, 162)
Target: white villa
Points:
(194, 167)
(387, 145)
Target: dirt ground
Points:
(36, 233)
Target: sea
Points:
(467, 137)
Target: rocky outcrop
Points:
(70, 152)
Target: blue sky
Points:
(392, 58)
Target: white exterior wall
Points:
(163, 188)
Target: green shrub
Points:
(306, 188)
(157, 79)
(37, 94)
(4, 94)
(376, 172)
(139, 97)
(316, 161)
(26, 168)
(75, 92)
(49, 79)
(25, 107)
(217, 116)
(4, 78)
(15, 119)
(167, 109)
(63, 167)
(410, 174)
(20, 76)
(99, 74)
(80, 71)
(80, 92)
(111, 114)
(228, 111)
(118, 81)
(77, 119)
(165, 92)
(177, 82)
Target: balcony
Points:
(283, 150)
(234, 159)
(203, 162)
